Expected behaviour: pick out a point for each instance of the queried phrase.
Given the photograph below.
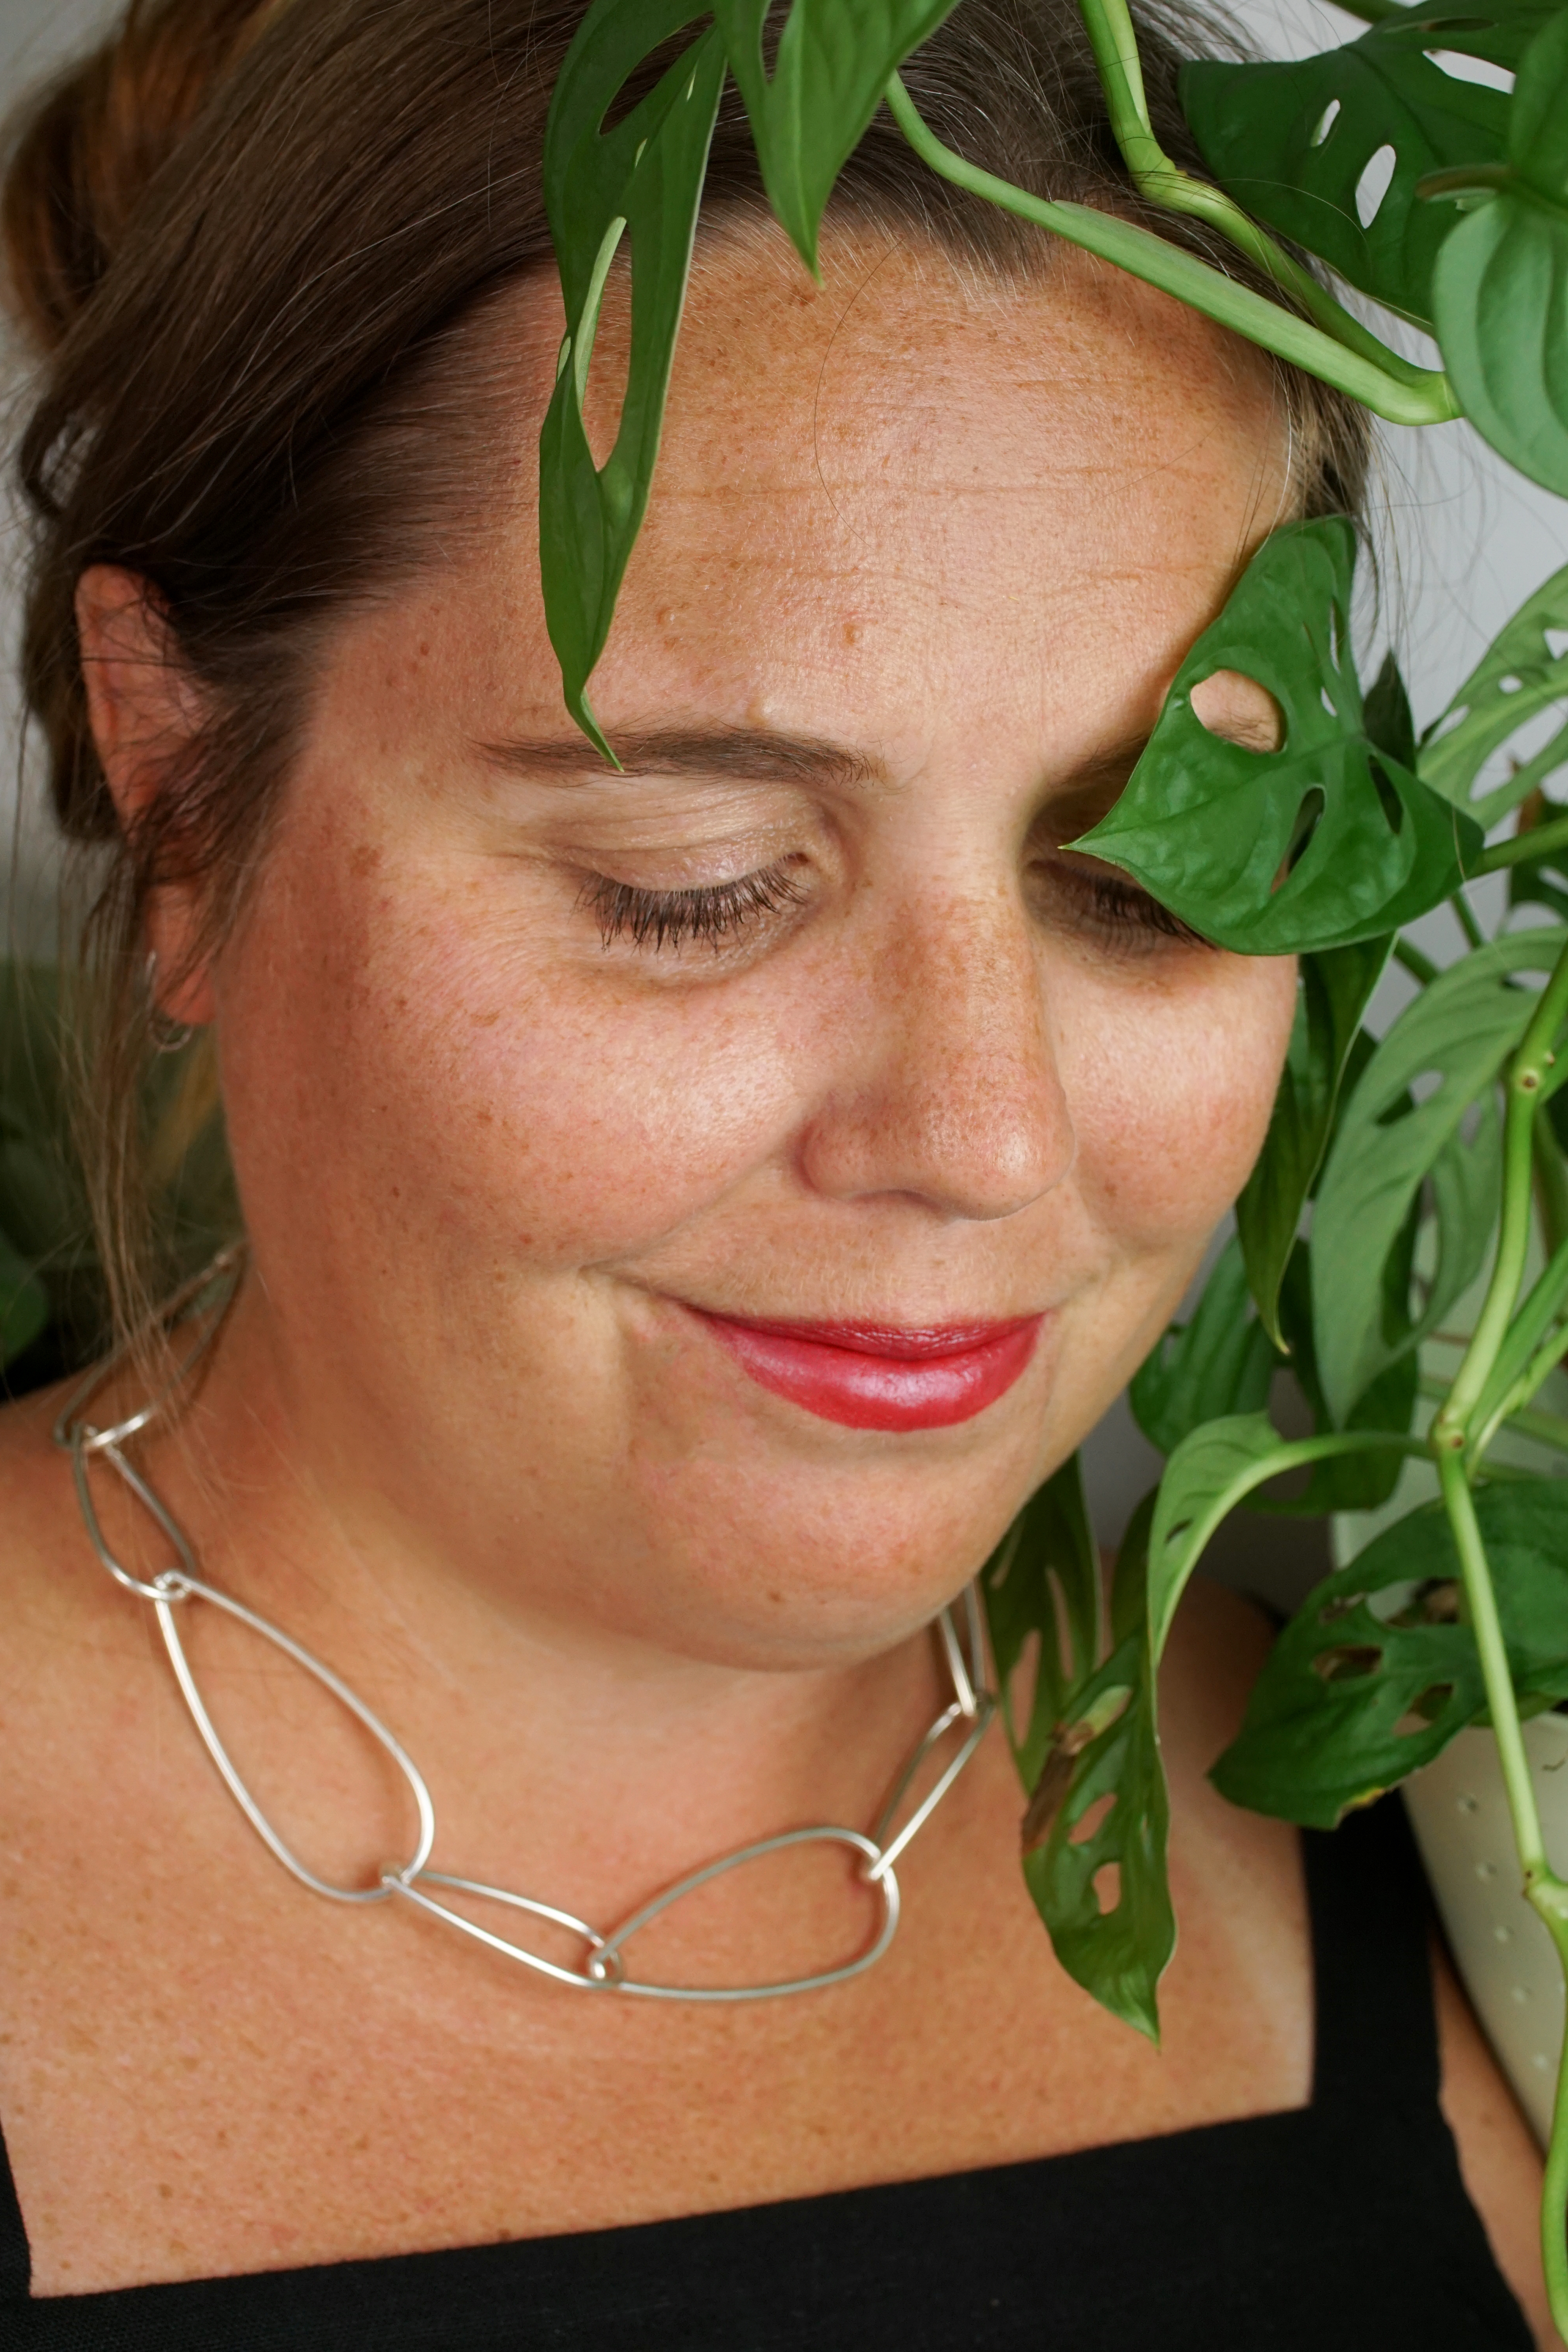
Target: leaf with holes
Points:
(1326, 841)
(1377, 1671)
(1328, 151)
(1335, 988)
(1220, 1363)
(1096, 1829)
(641, 181)
(834, 60)
(1523, 672)
(1500, 289)
(1458, 1032)
(1042, 1588)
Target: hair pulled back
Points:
(258, 249)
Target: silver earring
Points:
(166, 1035)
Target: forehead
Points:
(877, 484)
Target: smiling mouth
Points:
(871, 1376)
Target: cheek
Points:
(1171, 1089)
(395, 1032)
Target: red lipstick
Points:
(868, 1376)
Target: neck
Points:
(565, 1756)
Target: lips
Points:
(869, 1376)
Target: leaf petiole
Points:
(1540, 841)
(1116, 45)
(1382, 384)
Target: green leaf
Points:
(1336, 986)
(23, 1303)
(1377, 1671)
(1091, 1740)
(1044, 1582)
(1322, 844)
(834, 60)
(641, 182)
(1210, 1473)
(1521, 673)
(1220, 1363)
(1389, 722)
(1538, 121)
(1499, 287)
(1291, 142)
(1458, 1032)
(1361, 1481)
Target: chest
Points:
(206, 2069)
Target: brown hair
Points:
(257, 247)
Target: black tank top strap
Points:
(1375, 2024)
(16, 2255)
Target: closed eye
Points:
(716, 912)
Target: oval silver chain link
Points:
(602, 1966)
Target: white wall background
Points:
(1462, 543)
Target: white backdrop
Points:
(1461, 543)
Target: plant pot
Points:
(1502, 1951)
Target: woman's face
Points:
(548, 1086)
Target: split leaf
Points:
(1042, 1582)
(1328, 151)
(1378, 1670)
(1095, 1830)
(1403, 1126)
(1523, 671)
(641, 183)
(1323, 843)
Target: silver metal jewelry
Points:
(602, 1966)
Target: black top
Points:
(1341, 2227)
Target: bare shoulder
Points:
(55, 1606)
(34, 1481)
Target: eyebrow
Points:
(760, 754)
(763, 755)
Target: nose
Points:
(947, 1091)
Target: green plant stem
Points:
(1450, 1437)
(1551, 1187)
(1382, 385)
(1372, 12)
(1527, 1072)
(1464, 915)
(1546, 1428)
(1539, 842)
(1154, 176)
(1420, 967)
(1545, 1891)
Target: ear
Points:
(144, 709)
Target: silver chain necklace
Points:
(602, 1966)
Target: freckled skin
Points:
(900, 517)
(627, 1608)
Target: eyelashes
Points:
(1118, 909)
(714, 912)
(1101, 905)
